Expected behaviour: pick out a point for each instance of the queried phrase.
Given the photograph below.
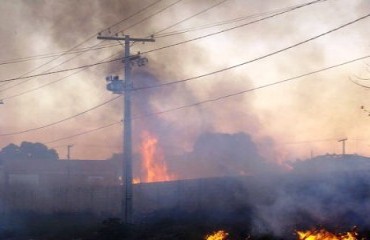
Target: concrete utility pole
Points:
(343, 145)
(124, 87)
(69, 151)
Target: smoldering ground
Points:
(277, 204)
(328, 196)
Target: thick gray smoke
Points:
(192, 148)
(217, 154)
(328, 191)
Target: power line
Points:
(255, 59)
(86, 40)
(220, 23)
(129, 27)
(90, 48)
(241, 64)
(200, 76)
(219, 98)
(47, 84)
(95, 107)
(254, 89)
(24, 131)
(311, 141)
(358, 84)
(150, 16)
(50, 55)
(111, 26)
(52, 82)
(186, 19)
(127, 18)
(85, 132)
(61, 71)
(236, 27)
(59, 121)
(157, 35)
(362, 78)
(45, 72)
(86, 66)
(88, 146)
(171, 45)
(192, 16)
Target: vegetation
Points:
(28, 150)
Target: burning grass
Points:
(323, 234)
(219, 235)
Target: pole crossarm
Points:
(343, 145)
(123, 38)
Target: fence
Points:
(148, 197)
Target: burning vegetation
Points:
(323, 234)
(314, 234)
(219, 235)
(154, 168)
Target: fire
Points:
(322, 234)
(136, 180)
(219, 235)
(154, 167)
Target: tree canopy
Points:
(28, 150)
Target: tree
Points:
(28, 150)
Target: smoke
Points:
(331, 196)
(218, 154)
(269, 118)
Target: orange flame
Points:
(322, 234)
(136, 180)
(154, 167)
(219, 235)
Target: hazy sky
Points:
(286, 121)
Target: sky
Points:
(283, 122)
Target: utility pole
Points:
(343, 145)
(69, 163)
(69, 151)
(124, 87)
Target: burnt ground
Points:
(158, 226)
(168, 225)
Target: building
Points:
(58, 173)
